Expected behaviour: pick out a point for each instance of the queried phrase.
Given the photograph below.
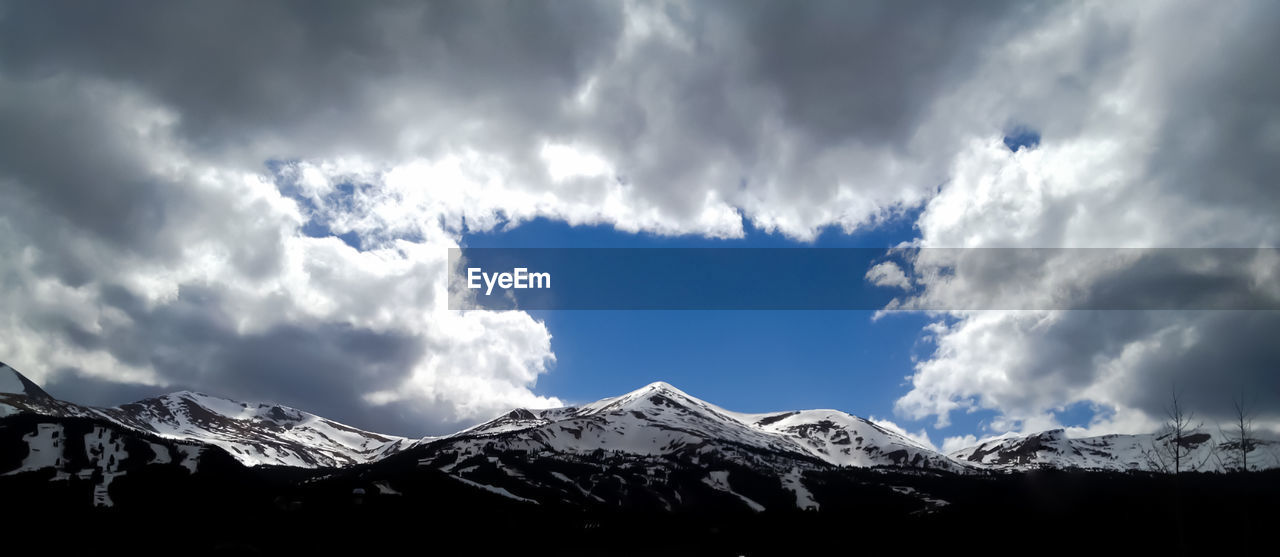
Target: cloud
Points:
(1134, 153)
(888, 273)
(144, 264)
(921, 436)
(176, 176)
(247, 196)
(953, 444)
(702, 114)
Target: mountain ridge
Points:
(252, 433)
(832, 436)
(655, 420)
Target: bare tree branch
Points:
(1174, 445)
(1240, 440)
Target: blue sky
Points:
(751, 361)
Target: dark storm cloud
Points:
(60, 152)
(192, 342)
(867, 70)
(763, 91)
(253, 81)
(294, 73)
(78, 173)
(73, 385)
(1190, 279)
(1223, 147)
(1156, 317)
(1112, 278)
(1235, 355)
(1209, 357)
(245, 82)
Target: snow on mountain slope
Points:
(85, 450)
(655, 420)
(19, 394)
(14, 383)
(659, 446)
(847, 440)
(1055, 449)
(10, 382)
(659, 419)
(254, 434)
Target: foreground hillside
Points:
(232, 509)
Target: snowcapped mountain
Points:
(254, 434)
(1055, 449)
(846, 440)
(659, 419)
(658, 447)
(19, 394)
(655, 448)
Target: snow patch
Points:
(719, 480)
(105, 448)
(190, 457)
(255, 434)
(162, 454)
(492, 489)
(44, 448)
(385, 488)
(9, 382)
(804, 498)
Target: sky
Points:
(256, 200)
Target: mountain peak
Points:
(252, 432)
(232, 409)
(12, 382)
(184, 394)
(657, 389)
(661, 386)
